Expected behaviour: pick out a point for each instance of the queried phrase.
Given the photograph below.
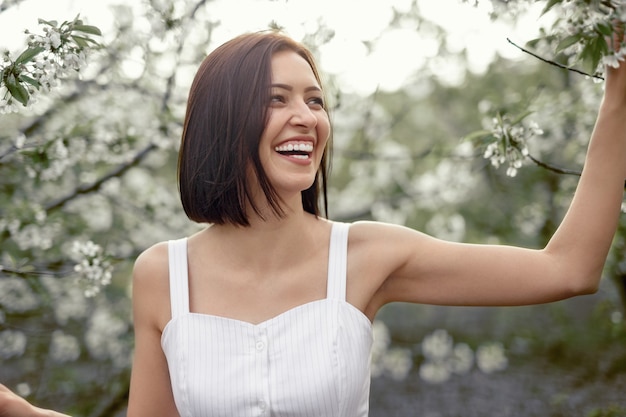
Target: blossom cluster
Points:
(12, 343)
(444, 358)
(585, 30)
(441, 356)
(16, 296)
(105, 337)
(94, 270)
(56, 54)
(509, 142)
(392, 361)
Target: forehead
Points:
(290, 68)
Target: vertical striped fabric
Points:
(312, 360)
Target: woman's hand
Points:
(615, 86)
(12, 405)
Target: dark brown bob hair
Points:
(226, 115)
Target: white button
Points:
(260, 345)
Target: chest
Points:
(252, 295)
(312, 360)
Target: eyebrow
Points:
(290, 88)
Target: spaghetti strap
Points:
(179, 283)
(337, 261)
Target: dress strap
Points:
(179, 281)
(337, 261)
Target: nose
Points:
(303, 116)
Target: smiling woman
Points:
(271, 305)
(268, 310)
(222, 128)
(297, 128)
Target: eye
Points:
(277, 99)
(316, 101)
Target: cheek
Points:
(323, 128)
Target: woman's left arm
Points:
(414, 267)
(585, 235)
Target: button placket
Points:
(262, 361)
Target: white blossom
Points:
(23, 389)
(434, 372)
(20, 139)
(438, 345)
(509, 143)
(61, 57)
(64, 347)
(93, 270)
(394, 362)
(69, 299)
(490, 357)
(444, 358)
(53, 39)
(12, 343)
(16, 296)
(462, 359)
(617, 317)
(397, 363)
(104, 337)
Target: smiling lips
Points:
(297, 150)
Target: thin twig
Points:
(557, 169)
(554, 168)
(556, 64)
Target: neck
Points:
(269, 244)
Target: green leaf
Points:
(477, 135)
(52, 23)
(533, 43)
(568, 41)
(28, 55)
(604, 29)
(92, 30)
(81, 41)
(17, 90)
(29, 80)
(593, 52)
(521, 117)
(549, 6)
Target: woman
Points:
(267, 311)
(271, 305)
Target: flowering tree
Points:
(90, 128)
(80, 156)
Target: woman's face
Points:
(297, 128)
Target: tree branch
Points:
(553, 168)
(95, 186)
(557, 169)
(556, 64)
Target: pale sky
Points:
(354, 21)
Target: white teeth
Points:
(301, 147)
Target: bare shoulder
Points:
(151, 285)
(375, 252)
(152, 262)
(372, 234)
(383, 246)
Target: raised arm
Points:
(410, 266)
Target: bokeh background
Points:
(441, 123)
